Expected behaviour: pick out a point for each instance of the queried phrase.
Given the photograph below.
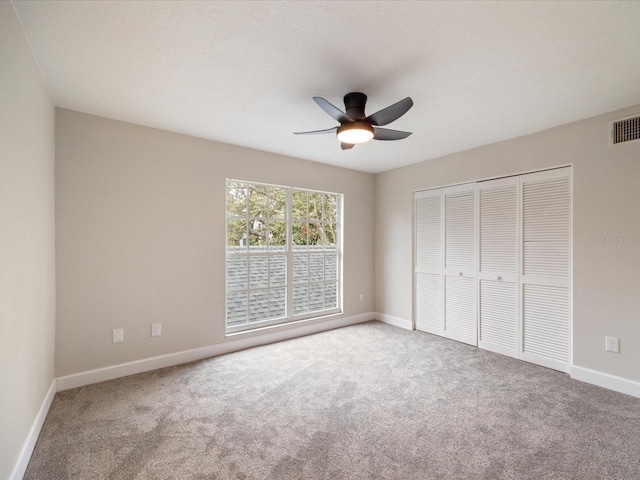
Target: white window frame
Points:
(289, 251)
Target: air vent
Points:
(625, 130)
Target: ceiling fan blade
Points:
(332, 110)
(388, 134)
(391, 113)
(347, 146)
(317, 132)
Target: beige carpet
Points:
(369, 401)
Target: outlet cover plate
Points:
(612, 344)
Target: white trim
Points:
(395, 321)
(605, 380)
(490, 179)
(274, 327)
(153, 363)
(30, 443)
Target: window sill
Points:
(281, 326)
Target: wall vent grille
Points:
(626, 130)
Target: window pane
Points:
(299, 235)
(278, 271)
(315, 235)
(300, 268)
(299, 205)
(330, 267)
(330, 208)
(258, 305)
(258, 233)
(277, 302)
(236, 308)
(330, 235)
(257, 201)
(300, 300)
(237, 273)
(316, 268)
(236, 234)
(316, 292)
(268, 227)
(330, 295)
(259, 272)
(236, 199)
(277, 203)
(277, 235)
(315, 206)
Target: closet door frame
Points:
(549, 173)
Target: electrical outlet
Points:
(156, 329)
(362, 297)
(612, 344)
(118, 335)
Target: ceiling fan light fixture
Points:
(355, 132)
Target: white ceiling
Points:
(244, 72)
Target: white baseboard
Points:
(396, 321)
(30, 443)
(153, 363)
(618, 384)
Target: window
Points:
(283, 254)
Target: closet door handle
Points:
(460, 273)
(498, 277)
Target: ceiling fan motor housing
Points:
(354, 104)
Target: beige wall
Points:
(140, 236)
(606, 194)
(27, 288)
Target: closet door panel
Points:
(546, 268)
(460, 262)
(546, 323)
(460, 230)
(429, 231)
(428, 280)
(429, 309)
(499, 322)
(460, 309)
(546, 227)
(499, 319)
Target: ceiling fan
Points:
(355, 127)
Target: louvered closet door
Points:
(546, 268)
(428, 308)
(460, 318)
(498, 275)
